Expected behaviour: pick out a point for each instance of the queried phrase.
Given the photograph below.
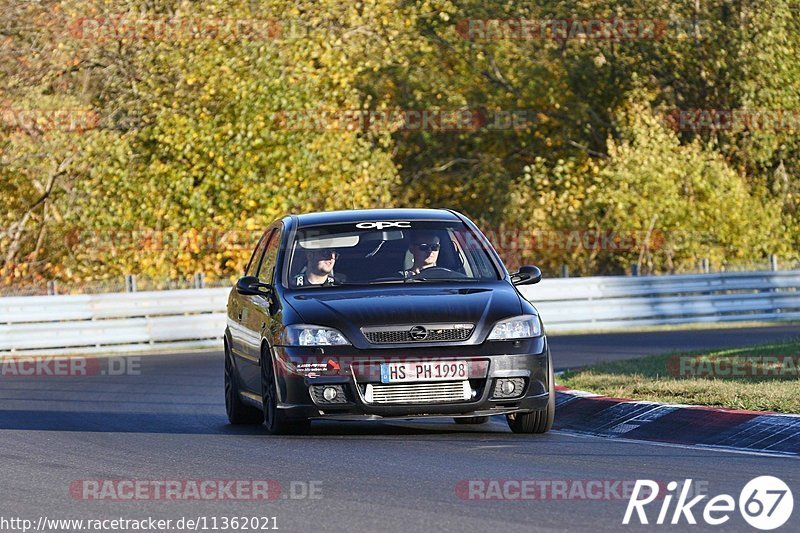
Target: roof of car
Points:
(357, 215)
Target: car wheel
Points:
(537, 421)
(472, 420)
(238, 412)
(274, 420)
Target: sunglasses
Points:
(325, 254)
(425, 247)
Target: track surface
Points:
(168, 422)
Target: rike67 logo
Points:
(765, 503)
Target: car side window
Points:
(266, 271)
(255, 260)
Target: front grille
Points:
(410, 393)
(403, 334)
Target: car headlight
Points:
(518, 327)
(307, 335)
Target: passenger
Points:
(318, 269)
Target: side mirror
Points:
(250, 286)
(526, 275)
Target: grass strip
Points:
(763, 377)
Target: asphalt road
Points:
(165, 420)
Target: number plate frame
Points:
(422, 371)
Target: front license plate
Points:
(424, 371)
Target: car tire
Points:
(238, 412)
(274, 420)
(540, 421)
(472, 420)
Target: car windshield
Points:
(374, 252)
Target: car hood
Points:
(348, 308)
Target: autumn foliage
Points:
(152, 137)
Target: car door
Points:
(256, 316)
(236, 308)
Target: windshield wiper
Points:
(440, 279)
(399, 281)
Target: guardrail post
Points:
(130, 283)
(773, 262)
(52, 287)
(564, 271)
(634, 269)
(199, 280)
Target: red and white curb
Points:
(694, 425)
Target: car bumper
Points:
(301, 370)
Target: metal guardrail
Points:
(180, 319)
(115, 322)
(597, 303)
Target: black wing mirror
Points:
(526, 275)
(250, 286)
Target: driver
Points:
(318, 269)
(425, 249)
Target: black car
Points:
(380, 314)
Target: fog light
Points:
(329, 394)
(509, 387)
